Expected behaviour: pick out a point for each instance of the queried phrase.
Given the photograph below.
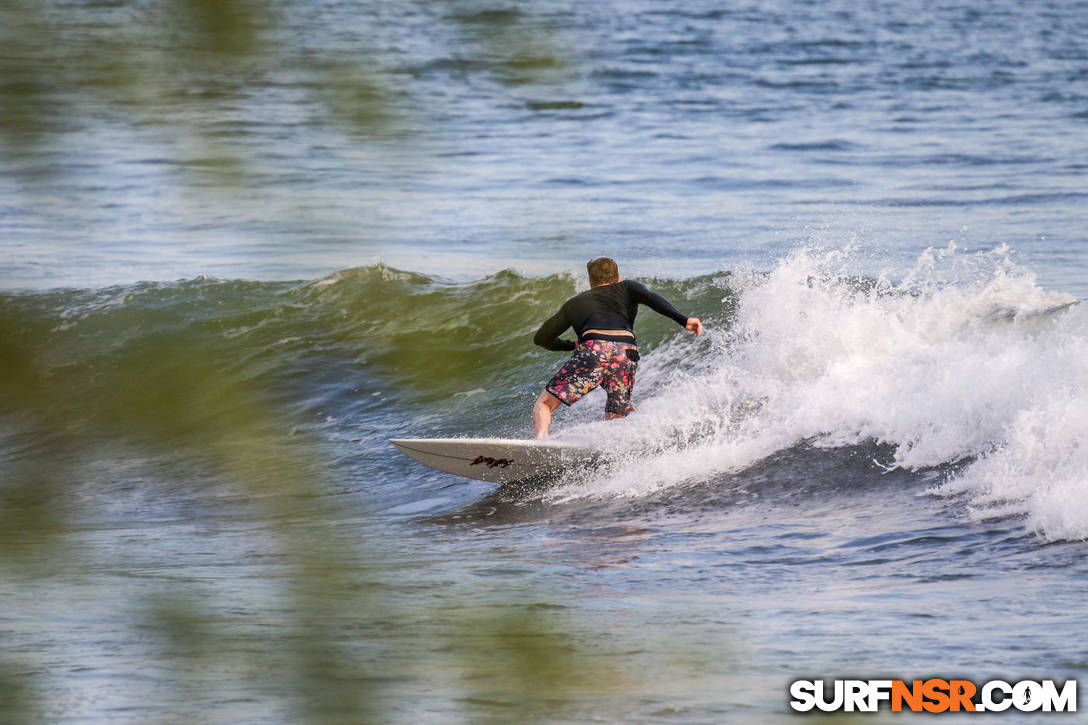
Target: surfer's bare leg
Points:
(542, 413)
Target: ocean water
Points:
(873, 464)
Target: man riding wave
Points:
(606, 353)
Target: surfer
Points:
(606, 353)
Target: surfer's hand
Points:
(694, 325)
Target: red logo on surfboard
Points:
(492, 462)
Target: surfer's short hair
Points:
(603, 270)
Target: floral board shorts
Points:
(609, 364)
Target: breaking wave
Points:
(963, 365)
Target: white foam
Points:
(962, 358)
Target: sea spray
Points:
(963, 360)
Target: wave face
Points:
(963, 369)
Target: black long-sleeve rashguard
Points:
(607, 307)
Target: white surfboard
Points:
(498, 460)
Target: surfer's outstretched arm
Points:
(644, 296)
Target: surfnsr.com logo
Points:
(933, 695)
